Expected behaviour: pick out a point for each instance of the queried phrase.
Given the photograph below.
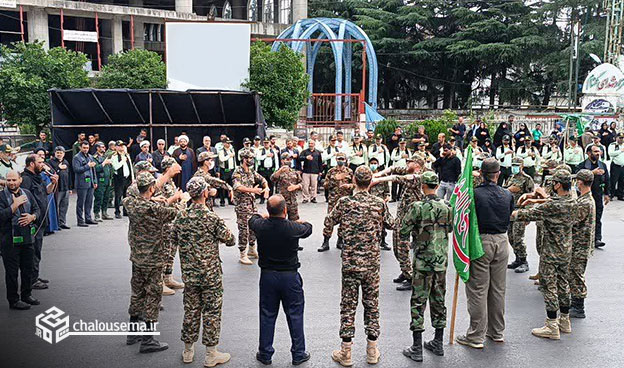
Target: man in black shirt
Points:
(278, 244)
(448, 168)
(485, 290)
(61, 196)
(600, 186)
(311, 165)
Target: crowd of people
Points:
(519, 177)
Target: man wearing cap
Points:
(399, 158)
(288, 183)
(148, 253)
(360, 217)
(448, 167)
(145, 154)
(247, 183)
(257, 143)
(267, 161)
(185, 156)
(123, 175)
(476, 150)
(59, 164)
(379, 151)
(338, 184)
(573, 154)
(6, 164)
(140, 167)
(485, 290)
(530, 155)
(504, 154)
(104, 171)
(85, 179)
(246, 146)
(293, 151)
(559, 216)
(551, 150)
(197, 232)
(428, 222)
(616, 152)
(601, 188)
(227, 165)
(518, 184)
(206, 166)
(329, 154)
(422, 153)
(358, 153)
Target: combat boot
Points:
(400, 279)
(188, 353)
(149, 344)
(343, 356)
(577, 310)
(339, 243)
(515, 264)
(97, 217)
(133, 339)
(415, 352)
(172, 283)
(325, 246)
(244, 259)
(436, 345)
(549, 331)
(252, 252)
(214, 357)
(167, 291)
(372, 352)
(524, 266)
(384, 246)
(564, 323)
(405, 285)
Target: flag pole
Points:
(454, 310)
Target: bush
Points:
(386, 128)
(134, 69)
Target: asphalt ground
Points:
(90, 273)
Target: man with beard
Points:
(600, 187)
(186, 159)
(61, 168)
(85, 184)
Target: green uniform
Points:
(104, 188)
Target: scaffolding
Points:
(613, 33)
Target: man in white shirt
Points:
(504, 154)
(267, 159)
(399, 159)
(358, 153)
(123, 175)
(573, 153)
(227, 164)
(616, 152)
(530, 155)
(174, 146)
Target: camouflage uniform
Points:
(360, 217)
(197, 232)
(133, 189)
(333, 185)
(168, 190)
(212, 183)
(381, 190)
(148, 251)
(583, 235)
(245, 204)
(548, 186)
(517, 228)
(559, 216)
(429, 222)
(283, 178)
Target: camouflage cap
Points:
(585, 175)
(285, 156)
(341, 154)
(551, 164)
(517, 161)
(167, 162)
(144, 179)
(246, 153)
(196, 186)
(562, 176)
(144, 166)
(205, 156)
(429, 177)
(413, 157)
(363, 174)
(564, 167)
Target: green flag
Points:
(466, 240)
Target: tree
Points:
(134, 69)
(28, 72)
(282, 82)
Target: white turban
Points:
(183, 137)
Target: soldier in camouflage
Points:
(360, 217)
(197, 232)
(380, 190)
(338, 183)
(584, 239)
(518, 184)
(288, 182)
(246, 182)
(559, 216)
(428, 222)
(206, 163)
(148, 254)
(140, 167)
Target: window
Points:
(227, 11)
(285, 12)
(252, 10)
(268, 12)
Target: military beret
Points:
(167, 162)
(363, 173)
(562, 176)
(564, 167)
(585, 175)
(196, 186)
(205, 156)
(144, 179)
(144, 166)
(490, 165)
(246, 153)
(429, 177)
(551, 164)
(285, 156)
(517, 161)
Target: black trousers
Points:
(226, 176)
(504, 175)
(599, 209)
(18, 260)
(396, 190)
(266, 174)
(617, 180)
(37, 254)
(121, 185)
(285, 288)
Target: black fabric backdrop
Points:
(121, 113)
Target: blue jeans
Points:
(287, 288)
(446, 190)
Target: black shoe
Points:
(524, 267)
(339, 243)
(405, 285)
(43, 280)
(39, 285)
(118, 216)
(400, 279)
(30, 300)
(65, 227)
(577, 309)
(436, 345)
(313, 200)
(82, 224)
(303, 359)
(91, 222)
(19, 305)
(515, 264)
(300, 248)
(599, 244)
(384, 246)
(222, 204)
(266, 362)
(414, 352)
(150, 345)
(133, 339)
(324, 247)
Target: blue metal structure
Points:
(332, 29)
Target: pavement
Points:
(90, 272)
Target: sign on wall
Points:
(604, 79)
(80, 36)
(8, 4)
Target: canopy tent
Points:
(121, 113)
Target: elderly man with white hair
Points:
(158, 154)
(186, 158)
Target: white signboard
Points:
(207, 55)
(80, 36)
(605, 79)
(8, 4)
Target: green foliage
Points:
(282, 82)
(433, 127)
(27, 72)
(134, 69)
(386, 128)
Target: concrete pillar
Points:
(184, 6)
(139, 34)
(116, 35)
(299, 10)
(38, 26)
